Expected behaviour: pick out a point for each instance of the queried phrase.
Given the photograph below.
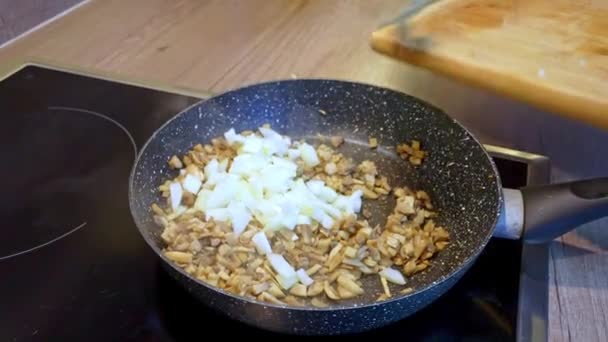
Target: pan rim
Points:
(462, 264)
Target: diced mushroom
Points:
(332, 256)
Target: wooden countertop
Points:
(551, 53)
(217, 45)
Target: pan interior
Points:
(458, 175)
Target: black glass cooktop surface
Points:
(73, 265)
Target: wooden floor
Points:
(218, 45)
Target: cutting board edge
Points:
(572, 106)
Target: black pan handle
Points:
(552, 210)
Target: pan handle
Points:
(552, 210)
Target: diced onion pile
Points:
(291, 210)
(262, 183)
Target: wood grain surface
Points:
(551, 53)
(218, 45)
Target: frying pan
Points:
(458, 174)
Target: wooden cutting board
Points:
(550, 53)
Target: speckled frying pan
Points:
(458, 174)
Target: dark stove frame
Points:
(532, 313)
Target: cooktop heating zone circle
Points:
(68, 161)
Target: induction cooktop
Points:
(74, 267)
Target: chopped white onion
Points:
(315, 186)
(328, 208)
(274, 143)
(176, 193)
(289, 222)
(223, 192)
(262, 183)
(246, 164)
(201, 200)
(282, 267)
(304, 278)
(261, 243)
(293, 154)
(253, 144)
(303, 220)
(213, 173)
(232, 137)
(349, 204)
(393, 276)
(287, 283)
(269, 133)
(223, 165)
(192, 183)
(239, 216)
(355, 201)
(289, 214)
(309, 155)
(328, 194)
(321, 217)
